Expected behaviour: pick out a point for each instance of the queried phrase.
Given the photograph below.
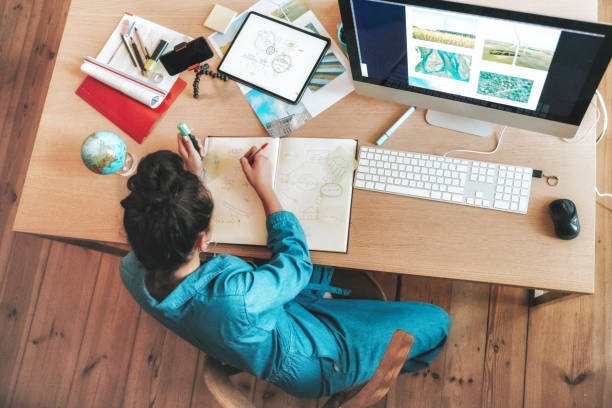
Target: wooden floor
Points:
(70, 335)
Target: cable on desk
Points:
(499, 141)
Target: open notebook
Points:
(312, 177)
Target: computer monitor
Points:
(512, 68)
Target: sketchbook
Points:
(312, 177)
(113, 65)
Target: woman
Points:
(270, 320)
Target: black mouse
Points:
(565, 218)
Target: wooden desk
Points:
(388, 233)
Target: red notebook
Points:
(129, 115)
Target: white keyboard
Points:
(459, 181)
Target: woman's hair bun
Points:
(165, 211)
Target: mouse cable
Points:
(499, 140)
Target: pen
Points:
(141, 43)
(394, 127)
(184, 129)
(251, 158)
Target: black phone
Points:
(186, 56)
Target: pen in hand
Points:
(184, 129)
(251, 158)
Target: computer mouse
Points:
(565, 218)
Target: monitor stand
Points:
(460, 123)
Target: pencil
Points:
(138, 56)
(251, 158)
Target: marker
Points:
(251, 158)
(394, 127)
(159, 50)
(184, 129)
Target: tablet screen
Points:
(273, 56)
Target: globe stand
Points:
(129, 166)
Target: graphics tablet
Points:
(273, 57)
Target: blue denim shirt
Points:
(272, 321)
(241, 314)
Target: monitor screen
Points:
(523, 63)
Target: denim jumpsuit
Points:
(272, 321)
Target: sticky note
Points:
(220, 18)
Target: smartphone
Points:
(186, 55)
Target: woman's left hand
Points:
(191, 157)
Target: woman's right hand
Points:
(259, 175)
(259, 172)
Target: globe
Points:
(105, 153)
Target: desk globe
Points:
(105, 153)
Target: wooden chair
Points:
(216, 374)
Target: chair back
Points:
(216, 377)
(385, 375)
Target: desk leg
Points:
(538, 297)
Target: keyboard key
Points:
(408, 191)
(446, 196)
(502, 205)
(436, 194)
(379, 186)
(360, 183)
(458, 198)
(453, 189)
(523, 204)
(369, 184)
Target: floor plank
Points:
(424, 388)
(55, 338)
(101, 371)
(18, 298)
(464, 363)
(503, 384)
(162, 368)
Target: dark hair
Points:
(166, 210)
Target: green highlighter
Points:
(184, 129)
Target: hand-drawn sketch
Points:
(312, 177)
(238, 213)
(314, 181)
